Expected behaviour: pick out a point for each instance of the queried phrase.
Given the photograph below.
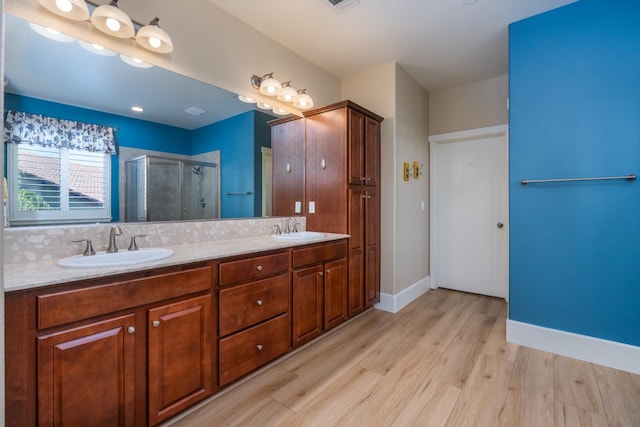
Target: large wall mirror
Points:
(204, 131)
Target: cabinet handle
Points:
(320, 273)
(131, 329)
(155, 323)
(259, 268)
(288, 168)
(259, 347)
(323, 164)
(259, 302)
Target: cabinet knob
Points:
(259, 268)
(259, 347)
(259, 302)
(288, 168)
(155, 323)
(131, 329)
(320, 273)
(323, 164)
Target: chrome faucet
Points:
(115, 231)
(294, 225)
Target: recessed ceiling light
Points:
(196, 111)
(137, 109)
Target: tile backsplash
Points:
(45, 243)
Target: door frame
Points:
(434, 143)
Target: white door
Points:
(470, 211)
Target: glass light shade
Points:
(135, 62)
(113, 21)
(70, 9)
(264, 106)
(303, 102)
(96, 48)
(270, 86)
(51, 34)
(246, 99)
(280, 111)
(154, 38)
(288, 94)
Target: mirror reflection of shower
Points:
(166, 189)
(197, 169)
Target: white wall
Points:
(470, 106)
(404, 226)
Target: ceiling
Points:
(439, 43)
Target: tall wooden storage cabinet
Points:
(342, 192)
(287, 144)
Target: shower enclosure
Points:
(165, 189)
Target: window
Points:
(55, 174)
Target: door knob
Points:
(500, 225)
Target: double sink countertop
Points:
(28, 275)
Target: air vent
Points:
(340, 6)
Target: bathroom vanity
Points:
(137, 346)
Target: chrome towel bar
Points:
(239, 193)
(630, 177)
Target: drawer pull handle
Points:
(259, 302)
(259, 347)
(155, 323)
(131, 329)
(259, 268)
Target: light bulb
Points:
(271, 89)
(303, 103)
(154, 42)
(113, 24)
(64, 5)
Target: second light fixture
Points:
(268, 85)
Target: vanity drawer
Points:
(319, 253)
(53, 309)
(253, 268)
(248, 350)
(246, 305)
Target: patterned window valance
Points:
(36, 129)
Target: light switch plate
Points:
(298, 207)
(405, 175)
(312, 207)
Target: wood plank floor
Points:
(441, 361)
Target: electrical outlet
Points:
(406, 169)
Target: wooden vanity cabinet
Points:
(287, 151)
(127, 350)
(343, 182)
(255, 319)
(319, 286)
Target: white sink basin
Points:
(120, 258)
(300, 235)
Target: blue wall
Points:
(238, 138)
(574, 78)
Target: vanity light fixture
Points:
(96, 48)
(154, 38)
(50, 33)
(265, 106)
(76, 10)
(246, 99)
(111, 20)
(288, 94)
(303, 101)
(280, 111)
(267, 85)
(135, 62)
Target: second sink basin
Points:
(117, 259)
(300, 235)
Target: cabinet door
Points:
(287, 145)
(180, 356)
(326, 176)
(357, 171)
(372, 248)
(335, 293)
(357, 200)
(307, 304)
(86, 375)
(372, 151)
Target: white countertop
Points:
(27, 275)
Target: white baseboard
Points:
(395, 303)
(596, 350)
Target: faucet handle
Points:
(133, 246)
(276, 229)
(295, 225)
(88, 250)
